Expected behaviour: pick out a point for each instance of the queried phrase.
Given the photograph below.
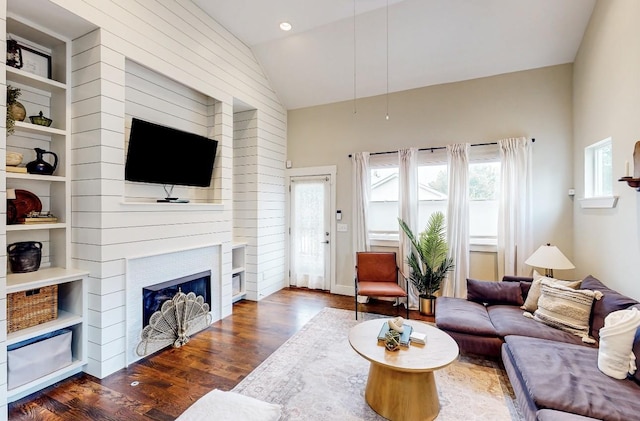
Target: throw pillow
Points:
(230, 406)
(566, 309)
(490, 292)
(531, 303)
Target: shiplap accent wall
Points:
(245, 205)
(259, 200)
(175, 40)
(107, 229)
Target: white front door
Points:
(310, 211)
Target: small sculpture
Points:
(635, 180)
(392, 337)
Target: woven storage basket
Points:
(32, 307)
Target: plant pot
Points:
(427, 305)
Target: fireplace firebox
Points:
(154, 295)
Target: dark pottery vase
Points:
(40, 166)
(24, 256)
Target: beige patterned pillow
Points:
(531, 303)
(566, 309)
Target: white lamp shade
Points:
(549, 257)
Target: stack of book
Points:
(418, 337)
(404, 336)
(12, 168)
(39, 220)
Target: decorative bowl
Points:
(14, 158)
(40, 120)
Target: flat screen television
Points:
(163, 155)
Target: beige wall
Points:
(534, 103)
(607, 103)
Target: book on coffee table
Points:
(404, 336)
(418, 337)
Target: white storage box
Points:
(38, 357)
(235, 284)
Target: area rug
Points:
(316, 375)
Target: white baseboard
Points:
(343, 290)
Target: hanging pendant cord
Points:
(387, 26)
(354, 58)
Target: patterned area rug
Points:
(316, 375)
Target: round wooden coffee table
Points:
(401, 385)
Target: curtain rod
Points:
(435, 148)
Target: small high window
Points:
(598, 175)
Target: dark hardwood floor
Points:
(169, 381)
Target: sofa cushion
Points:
(525, 287)
(565, 377)
(533, 294)
(611, 301)
(494, 292)
(458, 315)
(508, 320)
(566, 309)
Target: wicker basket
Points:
(32, 307)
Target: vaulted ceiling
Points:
(429, 41)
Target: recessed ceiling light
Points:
(285, 26)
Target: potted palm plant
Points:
(428, 260)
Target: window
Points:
(598, 177)
(433, 186)
(484, 186)
(383, 203)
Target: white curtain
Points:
(455, 284)
(515, 241)
(408, 211)
(308, 233)
(361, 193)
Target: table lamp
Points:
(549, 257)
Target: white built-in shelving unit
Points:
(238, 283)
(52, 96)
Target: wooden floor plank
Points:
(171, 380)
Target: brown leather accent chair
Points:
(377, 276)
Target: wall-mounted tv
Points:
(163, 155)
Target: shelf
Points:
(237, 270)
(35, 227)
(238, 297)
(54, 98)
(607, 202)
(26, 389)
(36, 177)
(154, 206)
(42, 278)
(64, 320)
(38, 82)
(34, 128)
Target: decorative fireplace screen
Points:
(177, 319)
